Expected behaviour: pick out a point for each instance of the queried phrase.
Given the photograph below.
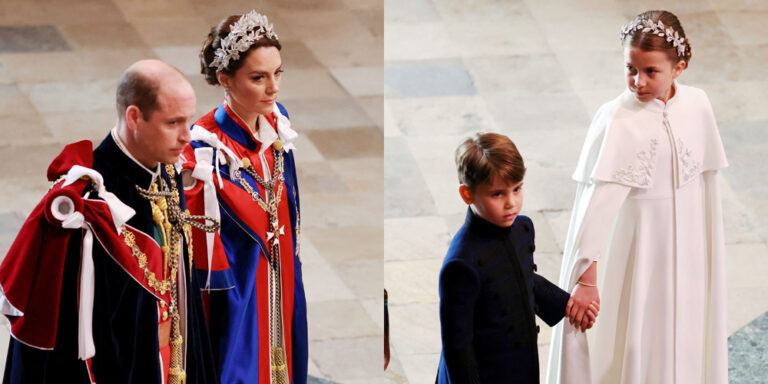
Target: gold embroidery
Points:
(161, 286)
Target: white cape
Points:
(648, 208)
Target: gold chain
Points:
(176, 374)
(202, 224)
(268, 185)
(278, 360)
(161, 286)
(167, 215)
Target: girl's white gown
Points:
(648, 208)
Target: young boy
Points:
(489, 291)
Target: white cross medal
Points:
(276, 239)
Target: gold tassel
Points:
(279, 366)
(176, 375)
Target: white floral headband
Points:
(248, 29)
(658, 29)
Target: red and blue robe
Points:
(237, 295)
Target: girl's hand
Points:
(590, 316)
(578, 309)
(584, 294)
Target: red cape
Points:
(32, 271)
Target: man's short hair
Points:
(136, 89)
(487, 155)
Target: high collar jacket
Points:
(489, 294)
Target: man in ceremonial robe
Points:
(97, 285)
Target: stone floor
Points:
(382, 93)
(59, 63)
(537, 71)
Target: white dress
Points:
(648, 208)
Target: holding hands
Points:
(584, 305)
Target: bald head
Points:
(155, 103)
(143, 81)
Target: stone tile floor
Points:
(537, 71)
(59, 63)
(534, 70)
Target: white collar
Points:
(123, 148)
(265, 133)
(657, 105)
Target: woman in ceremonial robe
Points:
(240, 168)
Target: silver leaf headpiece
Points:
(658, 29)
(248, 29)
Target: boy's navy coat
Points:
(489, 293)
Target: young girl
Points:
(241, 170)
(649, 169)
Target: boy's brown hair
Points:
(487, 155)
